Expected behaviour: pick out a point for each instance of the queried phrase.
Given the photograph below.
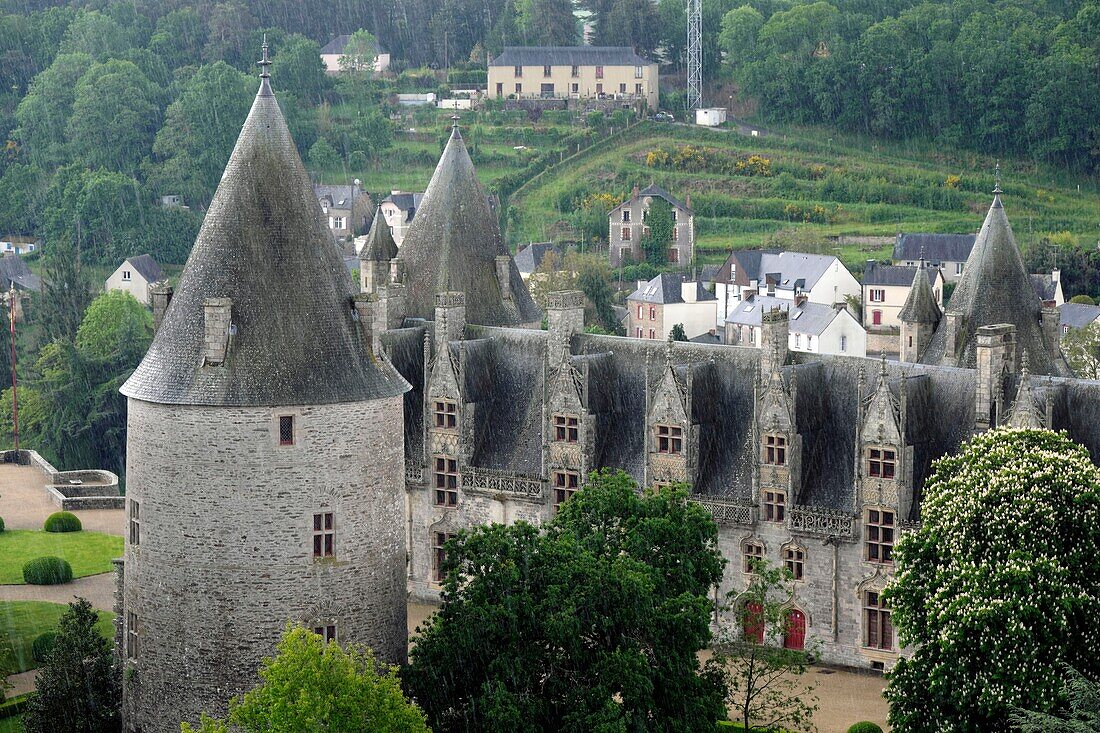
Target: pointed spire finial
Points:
(264, 62)
(997, 179)
(922, 256)
(668, 350)
(1025, 366)
(882, 364)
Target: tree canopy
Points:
(311, 685)
(999, 589)
(592, 622)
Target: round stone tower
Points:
(265, 474)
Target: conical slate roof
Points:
(995, 288)
(265, 246)
(920, 305)
(452, 245)
(379, 246)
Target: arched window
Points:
(794, 630)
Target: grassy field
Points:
(12, 725)
(849, 189)
(22, 621)
(90, 553)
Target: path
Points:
(24, 503)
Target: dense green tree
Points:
(200, 129)
(594, 280)
(116, 329)
(677, 333)
(592, 622)
(1082, 349)
(116, 113)
(21, 191)
(998, 589)
(360, 53)
(322, 155)
(297, 69)
(739, 30)
(656, 242)
(1079, 713)
(227, 34)
(547, 22)
(78, 688)
(630, 23)
(44, 112)
(179, 37)
(312, 686)
(66, 292)
(96, 34)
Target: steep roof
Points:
(809, 318)
(920, 304)
(747, 262)
(791, 270)
(668, 288)
(342, 197)
(1046, 287)
(568, 56)
(379, 246)
(264, 245)
(14, 271)
(407, 201)
(876, 273)
(655, 190)
(994, 288)
(529, 258)
(934, 247)
(453, 243)
(147, 267)
(1077, 315)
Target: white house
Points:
(136, 275)
(885, 288)
(710, 117)
(334, 49)
(821, 278)
(1077, 315)
(18, 244)
(665, 301)
(813, 327)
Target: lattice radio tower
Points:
(695, 54)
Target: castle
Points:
(298, 451)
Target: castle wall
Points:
(225, 557)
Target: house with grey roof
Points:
(530, 257)
(399, 208)
(347, 209)
(666, 300)
(333, 51)
(1077, 315)
(1048, 288)
(885, 289)
(626, 225)
(574, 72)
(949, 252)
(821, 278)
(136, 275)
(14, 273)
(813, 328)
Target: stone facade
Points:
(626, 227)
(224, 555)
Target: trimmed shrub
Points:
(1, 524)
(47, 571)
(62, 522)
(865, 726)
(43, 645)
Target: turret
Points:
(376, 256)
(919, 315)
(248, 421)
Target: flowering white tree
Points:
(1082, 349)
(999, 589)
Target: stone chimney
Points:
(774, 329)
(1050, 322)
(635, 191)
(564, 317)
(800, 298)
(218, 328)
(955, 324)
(161, 297)
(504, 276)
(995, 355)
(450, 318)
(363, 305)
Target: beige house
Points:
(885, 288)
(626, 226)
(334, 50)
(666, 300)
(948, 252)
(347, 209)
(136, 276)
(573, 72)
(398, 209)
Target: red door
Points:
(794, 636)
(753, 623)
(876, 318)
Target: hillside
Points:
(807, 188)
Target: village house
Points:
(821, 278)
(948, 252)
(399, 208)
(1072, 316)
(530, 258)
(573, 72)
(347, 209)
(14, 273)
(136, 276)
(19, 244)
(332, 52)
(665, 301)
(814, 328)
(1048, 288)
(885, 288)
(627, 226)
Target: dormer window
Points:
(566, 429)
(670, 439)
(775, 450)
(446, 414)
(881, 463)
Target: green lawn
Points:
(12, 725)
(90, 553)
(22, 621)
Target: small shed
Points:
(711, 116)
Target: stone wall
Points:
(226, 555)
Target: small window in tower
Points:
(880, 535)
(775, 450)
(327, 632)
(132, 638)
(324, 535)
(135, 523)
(126, 275)
(881, 463)
(286, 430)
